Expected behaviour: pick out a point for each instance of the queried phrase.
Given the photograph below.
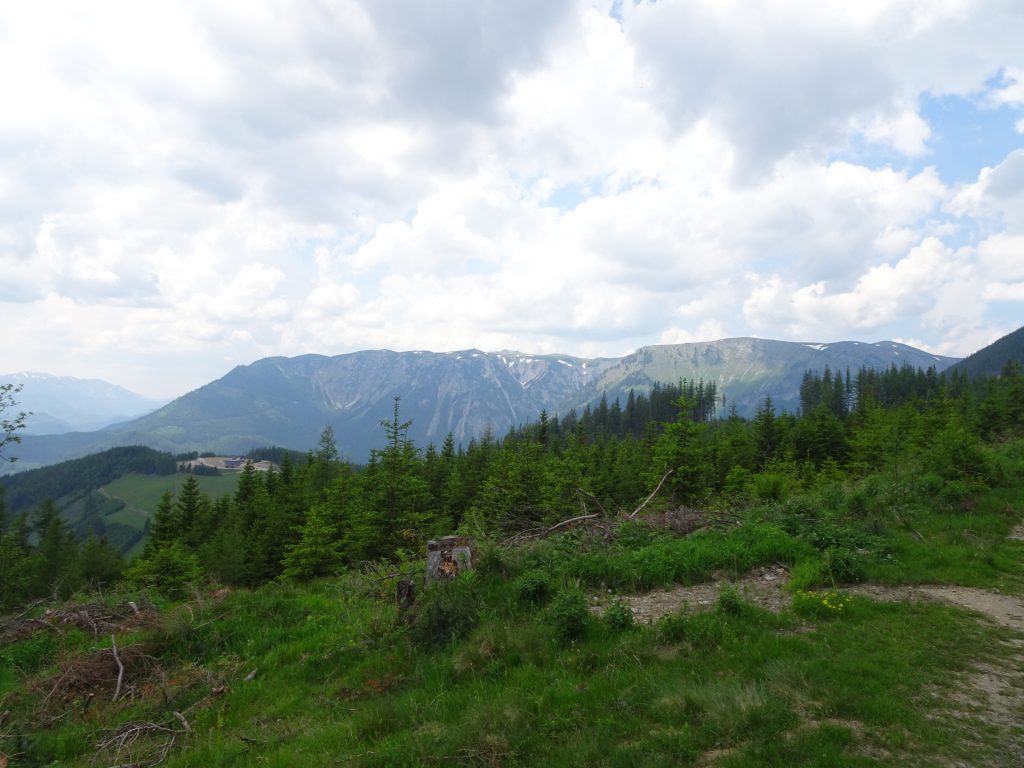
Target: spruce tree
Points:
(165, 527)
(318, 552)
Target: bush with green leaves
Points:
(844, 565)
(569, 614)
(170, 571)
(533, 587)
(446, 611)
(731, 602)
(491, 560)
(771, 486)
(619, 616)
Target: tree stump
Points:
(448, 556)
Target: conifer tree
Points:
(318, 552)
(191, 507)
(55, 554)
(680, 448)
(396, 488)
(766, 432)
(165, 526)
(99, 564)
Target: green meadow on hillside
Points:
(141, 493)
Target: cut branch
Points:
(581, 493)
(183, 721)
(120, 667)
(570, 521)
(653, 494)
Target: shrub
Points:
(770, 486)
(533, 588)
(832, 497)
(490, 560)
(634, 535)
(825, 536)
(568, 614)
(844, 566)
(730, 601)
(737, 484)
(446, 611)
(619, 616)
(169, 571)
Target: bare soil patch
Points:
(763, 587)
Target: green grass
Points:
(141, 493)
(338, 682)
(967, 545)
(663, 560)
(501, 668)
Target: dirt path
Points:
(763, 587)
(990, 697)
(1004, 610)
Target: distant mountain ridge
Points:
(60, 404)
(288, 401)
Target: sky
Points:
(187, 186)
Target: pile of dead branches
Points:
(682, 520)
(95, 618)
(141, 743)
(109, 674)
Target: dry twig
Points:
(581, 493)
(135, 741)
(653, 494)
(120, 667)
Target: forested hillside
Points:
(991, 360)
(319, 513)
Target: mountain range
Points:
(60, 404)
(287, 401)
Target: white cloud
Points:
(916, 285)
(1012, 92)
(996, 199)
(708, 330)
(906, 132)
(193, 185)
(1004, 292)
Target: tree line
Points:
(316, 513)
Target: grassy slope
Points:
(494, 671)
(141, 495)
